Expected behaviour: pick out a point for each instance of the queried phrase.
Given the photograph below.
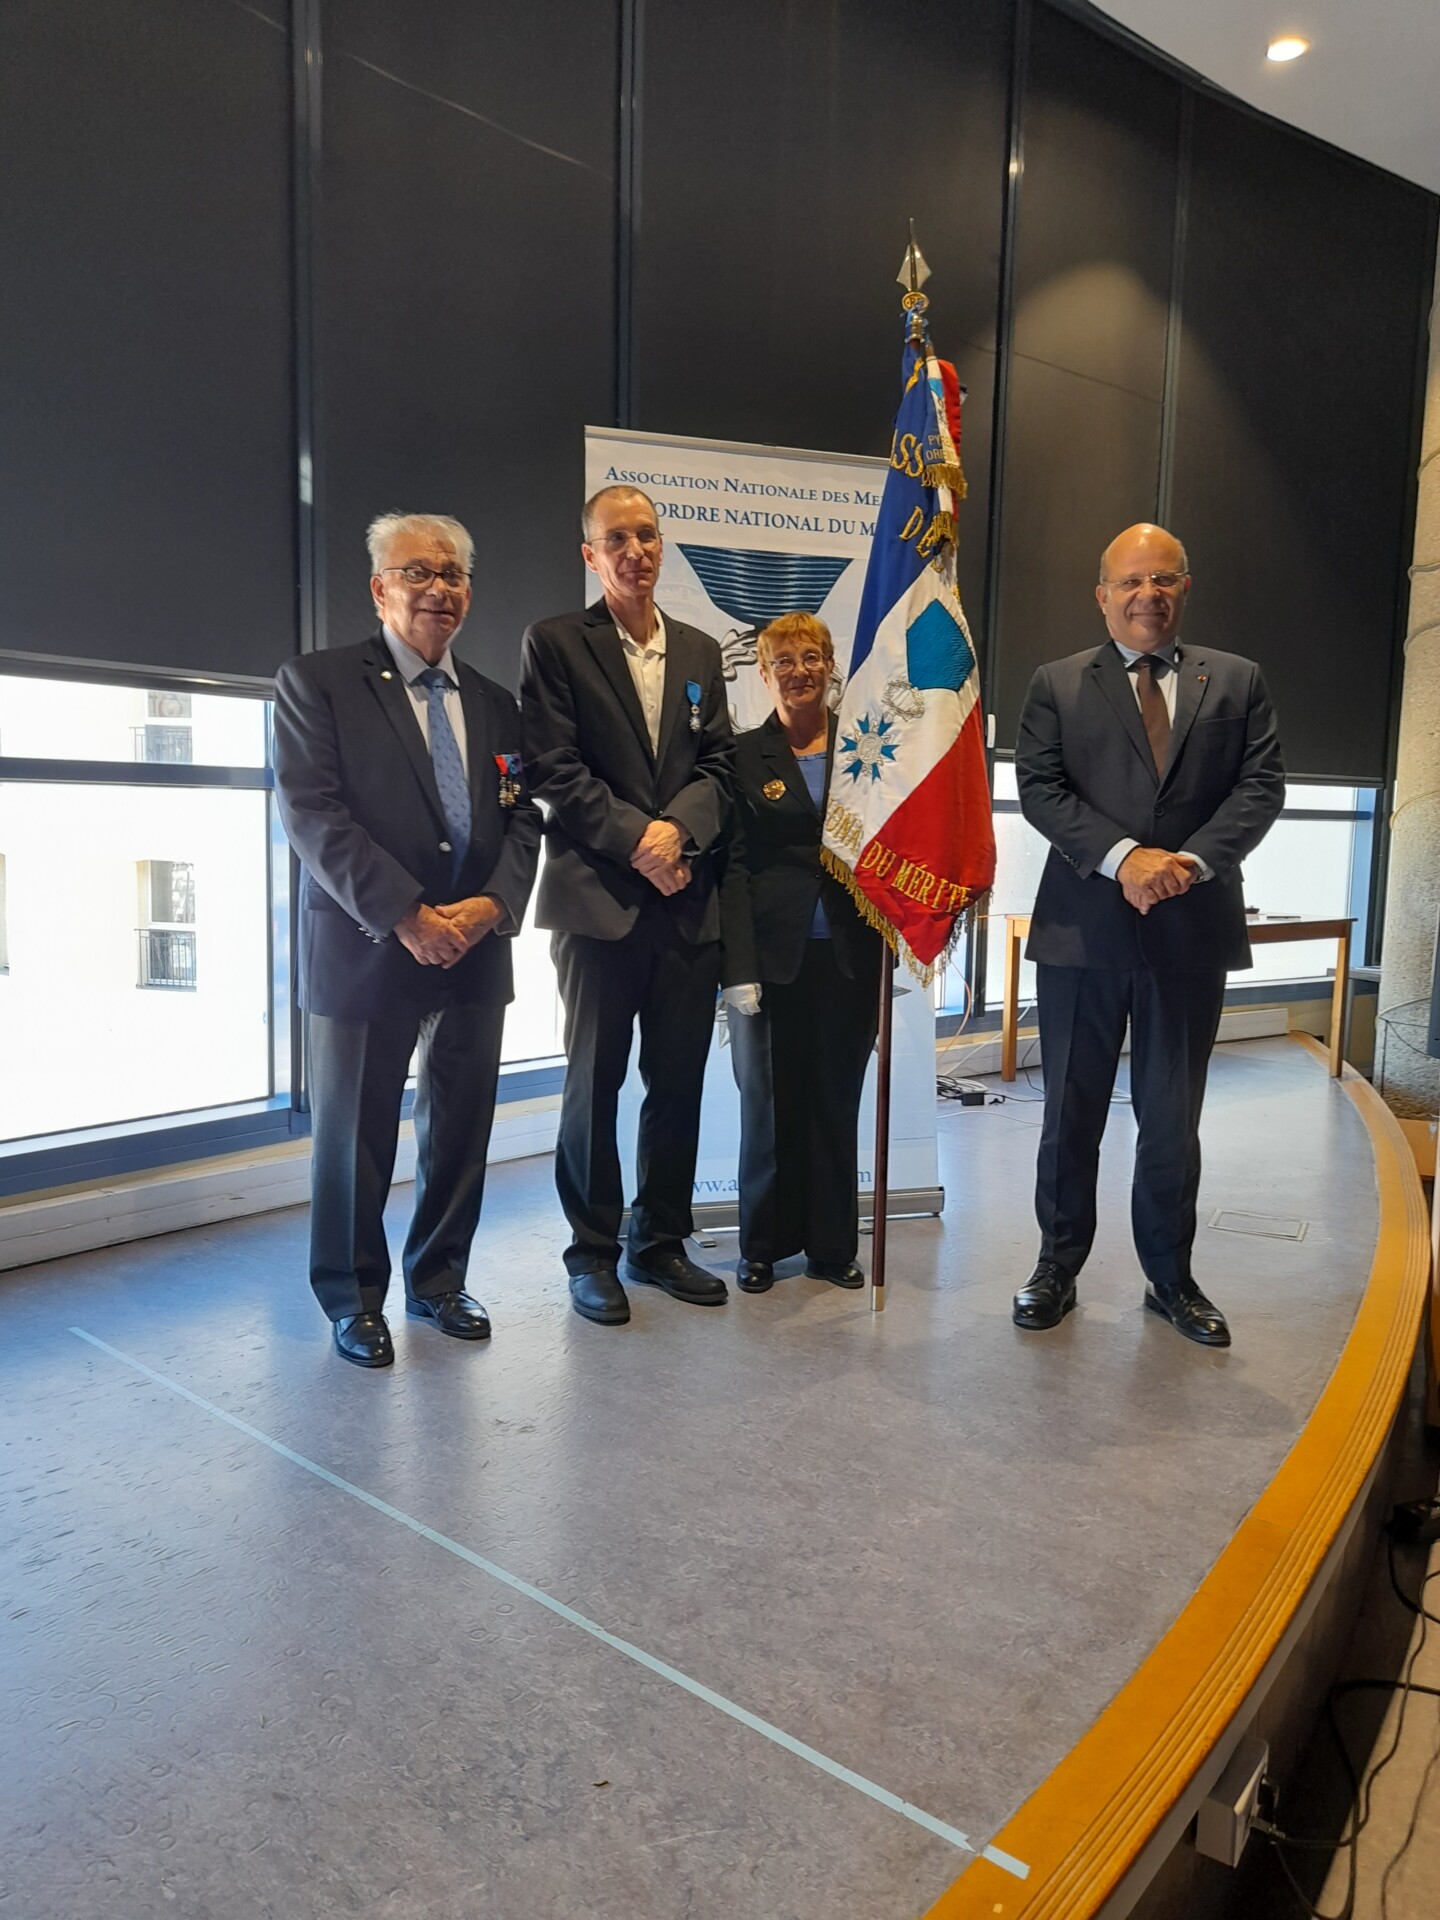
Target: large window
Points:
(1313, 864)
(138, 905)
(144, 911)
(534, 1019)
(78, 720)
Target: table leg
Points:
(1010, 1005)
(1337, 1003)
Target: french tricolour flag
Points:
(909, 828)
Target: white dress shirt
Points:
(1110, 865)
(410, 664)
(647, 670)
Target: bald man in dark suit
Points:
(1152, 769)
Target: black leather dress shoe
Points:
(364, 1340)
(680, 1277)
(1045, 1299)
(1190, 1313)
(599, 1296)
(840, 1273)
(754, 1276)
(453, 1313)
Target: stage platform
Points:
(775, 1612)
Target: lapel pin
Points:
(692, 694)
(385, 674)
(774, 790)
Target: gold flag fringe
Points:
(946, 476)
(923, 971)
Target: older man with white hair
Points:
(400, 784)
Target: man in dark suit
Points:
(627, 742)
(398, 774)
(1152, 769)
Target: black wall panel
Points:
(785, 145)
(1094, 247)
(1306, 281)
(466, 302)
(529, 216)
(146, 487)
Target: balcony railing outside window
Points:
(167, 958)
(164, 746)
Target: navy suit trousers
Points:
(1174, 1017)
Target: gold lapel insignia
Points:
(774, 789)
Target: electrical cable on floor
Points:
(1037, 1093)
(1023, 1065)
(1362, 1792)
(1410, 1831)
(967, 1092)
(952, 1086)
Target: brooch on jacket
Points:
(692, 694)
(510, 770)
(774, 789)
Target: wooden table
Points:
(1263, 933)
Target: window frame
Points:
(1367, 816)
(115, 1150)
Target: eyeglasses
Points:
(417, 576)
(617, 541)
(807, 663)
(1166, 582)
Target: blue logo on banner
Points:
(758, 587)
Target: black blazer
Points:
(1087, 778)
(588, 758)
(774, 875)
(358, 799)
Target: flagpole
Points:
(881, 1185)
(880, 1202)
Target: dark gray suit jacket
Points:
(1086, 778)
(358, 799)
(588, 757)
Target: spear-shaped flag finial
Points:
(913, 271)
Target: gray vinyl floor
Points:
(761, 1612)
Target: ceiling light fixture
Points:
(1289, 47)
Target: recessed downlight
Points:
(1288, 47)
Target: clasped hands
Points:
(1148, 875)
(439, 936)
(659, 855)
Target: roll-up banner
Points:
(752, 532)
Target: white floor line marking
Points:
(638, 1654)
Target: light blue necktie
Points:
(449, 767)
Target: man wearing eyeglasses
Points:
(401, 788)
(628, 746)
(1152, 769)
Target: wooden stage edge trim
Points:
(1083, 1828)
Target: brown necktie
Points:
(1152, 706)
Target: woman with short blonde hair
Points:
(801, 972)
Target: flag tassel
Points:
(873, 916)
